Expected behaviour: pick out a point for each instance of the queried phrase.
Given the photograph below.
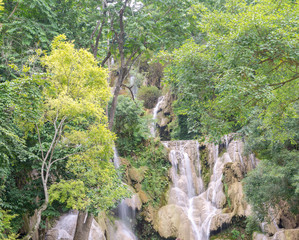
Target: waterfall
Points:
(126, 214)
(187, 191)
(66, 226)
(133, 86)
(155, 112)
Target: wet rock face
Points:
(172, 222)
(198, 209)
(165, 116)
(288, 234)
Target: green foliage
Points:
(154, 156)
(205, 167)
(130, 125)
(252, 225)
(180, 128)
(276, 177)
(1, 6)
(247, 60)
(29, 25)
(72, 192)
(236, 234)
(149, 96)
(79, 92)
(6, 232)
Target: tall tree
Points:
(129, 28)
(75, 92)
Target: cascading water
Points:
(126, 214)
(155, 112)
(133, 85)
(66, 226)
(200, 206)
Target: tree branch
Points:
(40, 142)
(106, 59)
(95, 50)
(283, 83)
(130, 89)
(13, 11)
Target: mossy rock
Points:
(137, 174)
(143, 196)
(205, 167)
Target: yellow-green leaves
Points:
(72, 192)
(1, 6)
(75, 73)
(76, 96)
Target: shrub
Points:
(149, 95)
(130, 125)
(153, 155)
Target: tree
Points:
(131, 28)
(130, 125)
(30, 25)
(75, 94)
(273, 185)
(247, 61)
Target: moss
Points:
(205, 167)
(225, 186)
(152, 161)
(236, 231)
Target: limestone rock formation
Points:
(172, 221)
(165, 116)
(287, 234)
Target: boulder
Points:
(137, 174)
(287, 234)
(178, 197)
(143, 197)
(172, 221)
(219, 220)
(134, 202)
(259, 236)
(237, 198)
(52, 234)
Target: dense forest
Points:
(105, 102)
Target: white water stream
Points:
(66, 226)
(200, 205)
(125, 213)
(155, 113)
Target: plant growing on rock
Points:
(149, 96)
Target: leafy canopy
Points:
(76, 96)
(248, 60)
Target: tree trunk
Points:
(38, 220)
(122, 75)
(83, 226)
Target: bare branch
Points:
(106, 58)
(130, 89)
(95, 49)
(60, 159)
(13, 11)
(283, 83)
(40, 142)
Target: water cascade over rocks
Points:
(66, 226)
(155, 112)
(192, 211)
(126, 211)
